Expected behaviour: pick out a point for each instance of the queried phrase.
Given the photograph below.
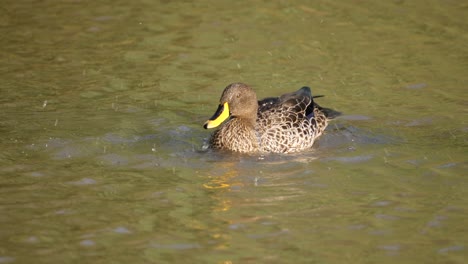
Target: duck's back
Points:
(289, 123)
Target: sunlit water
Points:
(102, 106)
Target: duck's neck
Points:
(243, 121)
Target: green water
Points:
(101, 112)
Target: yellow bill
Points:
(221, 114)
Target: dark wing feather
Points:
(297, 102)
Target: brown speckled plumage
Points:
(285, 124)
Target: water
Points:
(102, 106)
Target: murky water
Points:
(102, 106)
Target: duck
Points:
(285, 124)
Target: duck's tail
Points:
(329, 113)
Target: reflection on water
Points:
(101, 124)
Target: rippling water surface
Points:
(102, 106)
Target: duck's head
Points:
(238, 101)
